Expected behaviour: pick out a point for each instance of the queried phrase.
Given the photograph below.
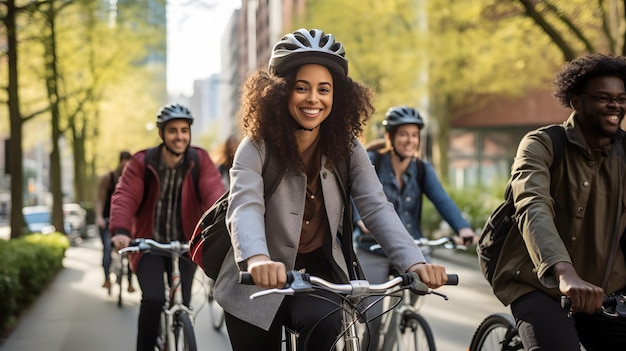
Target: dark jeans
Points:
(315, 316)
(544, 325)
(298, 312)
(150, 275)
(106, 249)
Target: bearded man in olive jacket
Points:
(570, 221)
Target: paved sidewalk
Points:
(75, 313)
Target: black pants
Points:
(313, 316)
(150, 276)
(544, 325)
(298, 312)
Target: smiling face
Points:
(406, 140)
(601, 105)
(312, 96)
(176, 135)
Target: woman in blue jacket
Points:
(405, 178)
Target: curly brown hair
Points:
(576, 73)
(266, 117)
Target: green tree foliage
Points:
(78, 70)
(444, 57)
(576, 26)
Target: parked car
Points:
(75, 219)
(38, 219)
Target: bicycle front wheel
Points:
(497, 332)
(414, 334)
(215, 310)
(185, 339)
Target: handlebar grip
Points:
(566, 302)
(453, 279)
(245, 278)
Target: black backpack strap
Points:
(421, 174)
(147, 175)
(557, 135)
(272, 173)
(377, 157)
(343, 172)
(195, 171)
(558, 139)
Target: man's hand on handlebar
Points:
(120, 241)
(585, 297)
(433, 275)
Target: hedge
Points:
(27, 265)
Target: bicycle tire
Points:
(215, 310)
(185, 338)
(497, 332)
(415, 334)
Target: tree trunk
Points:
(15, 142)
(53, 97)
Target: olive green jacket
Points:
(574, 222)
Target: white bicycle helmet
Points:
(399, 115)
(307, 46)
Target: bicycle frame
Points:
(173, 292)
(174, 302)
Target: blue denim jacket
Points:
(408, 201)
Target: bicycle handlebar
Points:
(143, 244)
(613, 305)
(298, 282)
(446, 242)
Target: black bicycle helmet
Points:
(307, 46)
(173, 111)
(399, 115)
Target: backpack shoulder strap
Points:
(377, 159)
(558, 139)
(557, 135)
(272, 173)
(421, 173)
(147, 175)
(195, 171)
(343, 172)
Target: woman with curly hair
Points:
(308, 113)
(570, 218)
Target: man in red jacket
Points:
(157, 197)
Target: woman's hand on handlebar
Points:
(266, 273)
(433, 275)
(466, 237)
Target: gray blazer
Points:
(274, 229)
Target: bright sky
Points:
(195, 29)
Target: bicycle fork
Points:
(351, 338)
(175, 298)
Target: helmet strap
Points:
(302, 128)
(402, 158)
(177, 154)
